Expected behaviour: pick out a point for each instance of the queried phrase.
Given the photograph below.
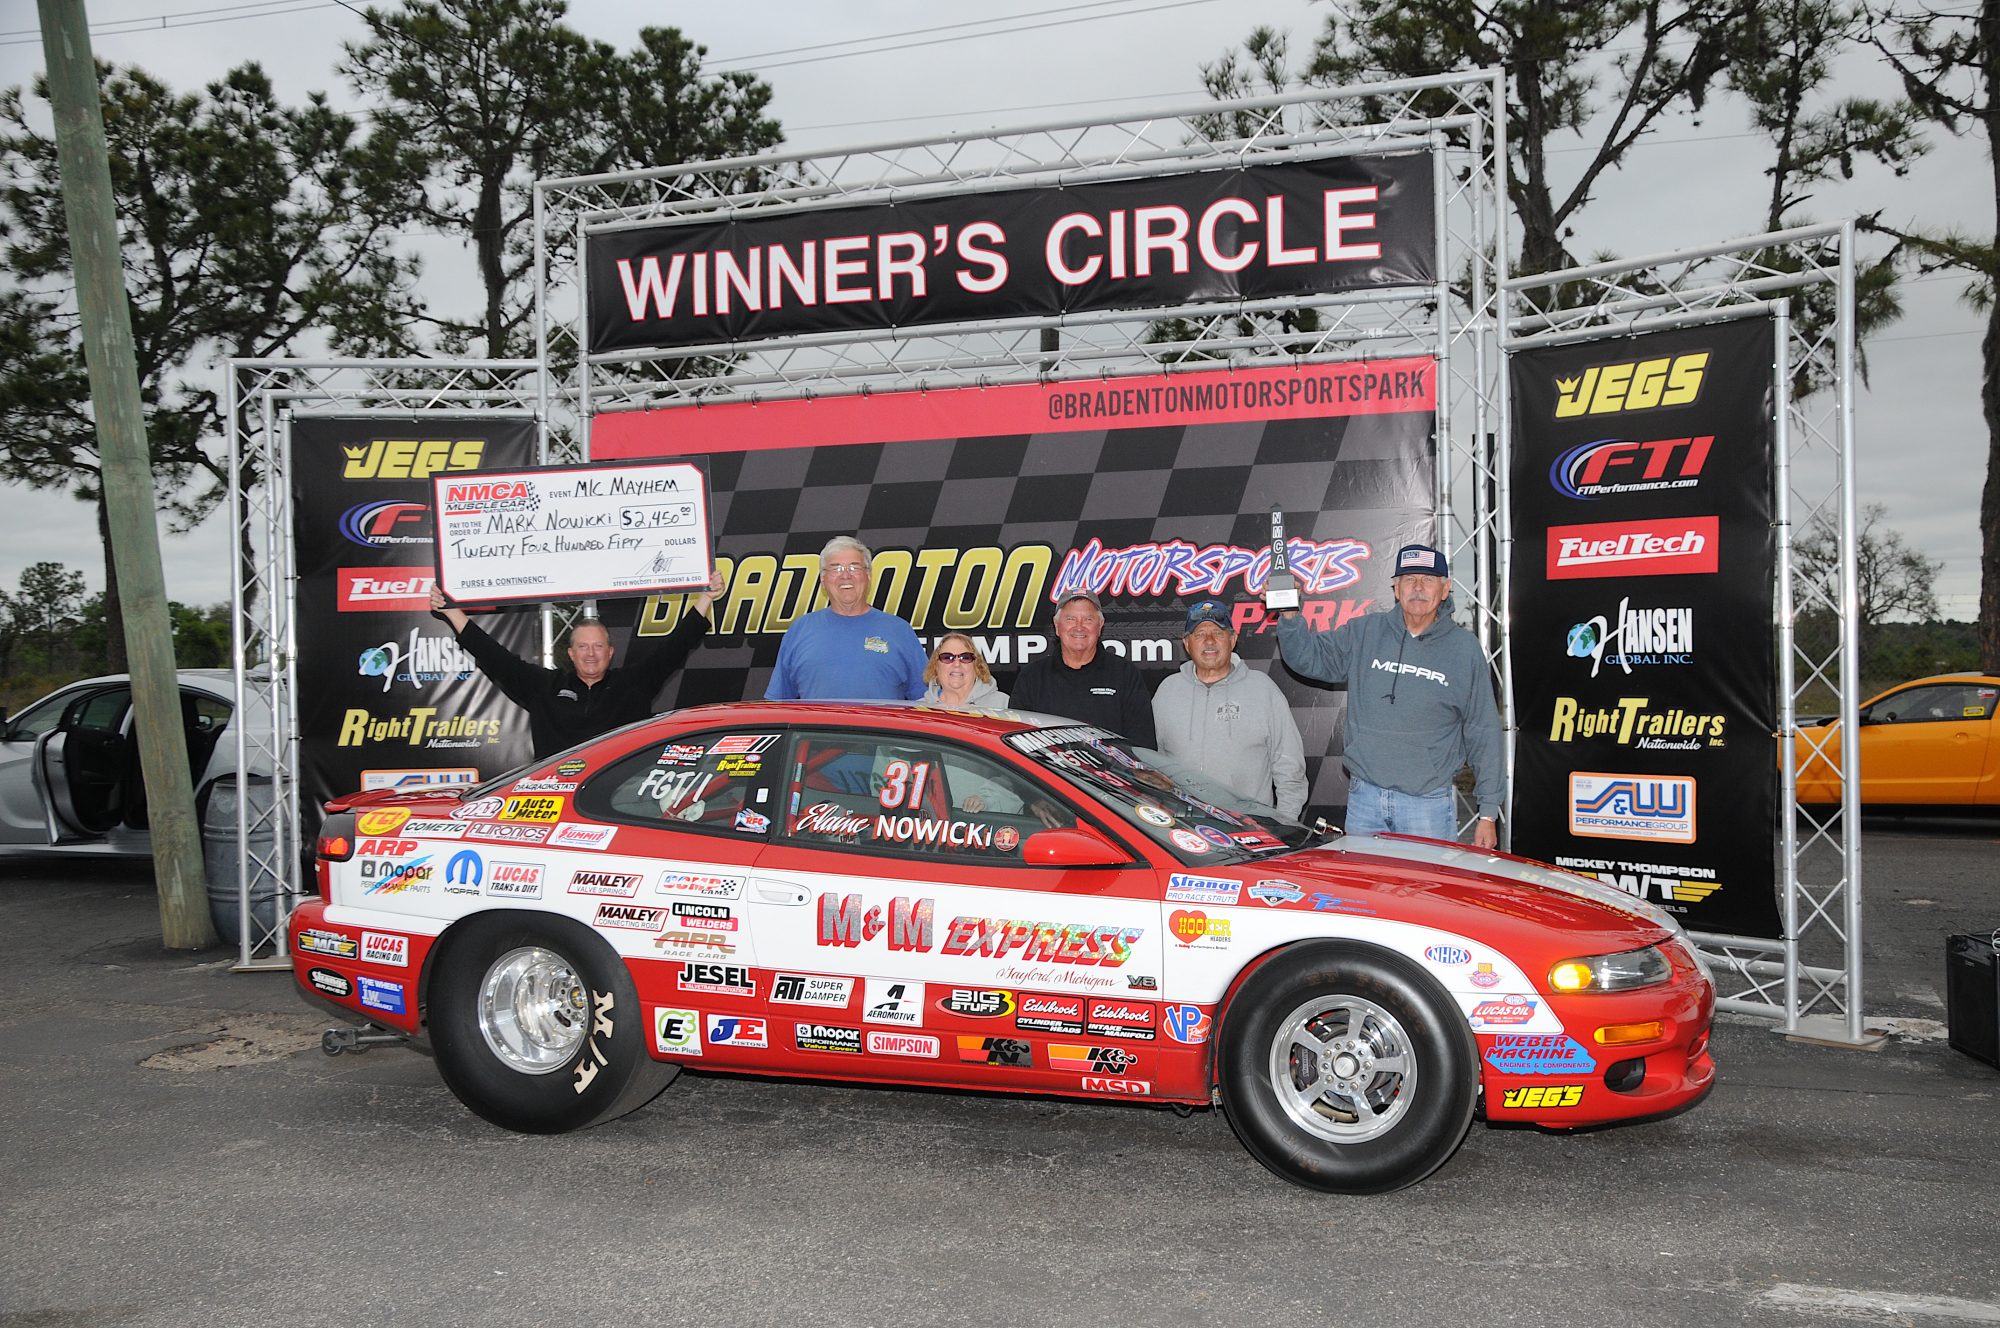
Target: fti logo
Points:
(1612, 389)
(1620, 465)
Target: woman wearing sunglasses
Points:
(957, 676)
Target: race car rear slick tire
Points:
(1347, 1069)
(536, 1025)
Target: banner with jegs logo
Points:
(1643, 632)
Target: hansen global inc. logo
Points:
(1642, 637)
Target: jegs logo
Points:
(410, 459)
(1631, 385)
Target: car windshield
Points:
(1189, 815)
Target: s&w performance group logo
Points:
(1652, 807)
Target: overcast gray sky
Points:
(1009, 62)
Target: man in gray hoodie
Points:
(1419, 705)
(1225, 719)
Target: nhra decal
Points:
(808, 989)
(1448, 956)
(386, 948)
(386, 876)
(622, 884)
(1546, 1097)
(384, 996)
(1132, 1020)
(977, 1003)
(677, 1032)
(330, 982)
(1186, 889)
(901, 1044)
(721, 979)
(886, 1002)
(1016, 1053)
(632, 917)
(826, 1037)
(735, 1030)
(515, 880)
(1538, 1053)
(328, 943)
(1082, 1059)
(1051, 1014)
(1187, 1023)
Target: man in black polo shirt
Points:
(1083, 681)
(567, 706)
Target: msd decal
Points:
(1676, 547)
(1126, 1087)
(384, 590)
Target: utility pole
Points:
(127, 473)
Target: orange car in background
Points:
(1927, 743)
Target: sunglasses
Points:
(954, 657)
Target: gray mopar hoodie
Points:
(1418, 707)
(1238, 731)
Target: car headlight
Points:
(1611, 972)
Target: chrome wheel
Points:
(1342, 1068)
(533, 1011)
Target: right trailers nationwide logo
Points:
(1659, 808)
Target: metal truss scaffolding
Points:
(1458, 118)
(1809, 980)
(263, 397)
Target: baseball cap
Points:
(1421, 560)
(1080, 593)
(1207, 611)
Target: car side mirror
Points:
(1077, 846)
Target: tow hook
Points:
(357, 1039)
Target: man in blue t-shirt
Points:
(849, 650)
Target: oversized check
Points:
(571, 532)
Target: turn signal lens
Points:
(1619, 1035)
(336, 838)
(1611, 972)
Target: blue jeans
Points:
(1372, 809)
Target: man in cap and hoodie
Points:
(1419, 705)
(1084, 681)
(1229, 721)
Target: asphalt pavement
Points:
(178, 1152)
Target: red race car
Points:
(907, 895)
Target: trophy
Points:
(1281, 588)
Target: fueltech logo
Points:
(385, 589)
(1633, 548)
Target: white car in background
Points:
(70, 781)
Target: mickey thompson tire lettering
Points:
(536, 1025)
(1347, 1068)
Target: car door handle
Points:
(780, 892)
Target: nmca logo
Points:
(1612, 389)
(411, 459)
